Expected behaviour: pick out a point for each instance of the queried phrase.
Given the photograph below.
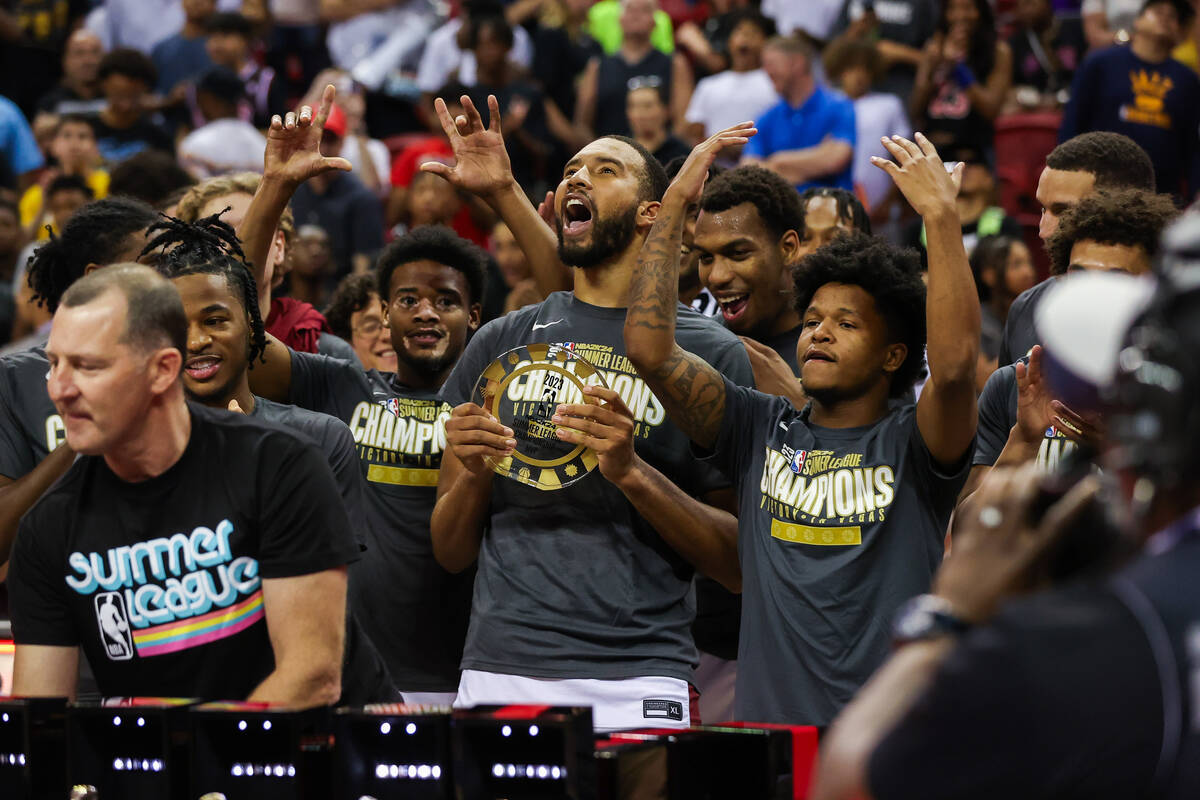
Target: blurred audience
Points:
(225, 143)
(357, 314)
(20, 158)
(899, 30)
(650, 124)
(183, 56)
(128, 124)
(1046, 50)
(73, 152)
(447, 55)
(78, 91)
(607, 26)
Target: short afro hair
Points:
(151, 176)
(230, 22)
(889, 274)
(773, 197)
(1123, 217)
(352, 295)
(653, 181)
(849, 207)
(128, 63)
(1116, 160)
(439, 244)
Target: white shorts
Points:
(428, 698)
(649, 702)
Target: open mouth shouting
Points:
(577, 215)
(817, 355)
(733, 305)
(202, 368)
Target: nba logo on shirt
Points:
(569, 346)
(797, 462)
(114, 626)
(1051, 432)
(392, 405)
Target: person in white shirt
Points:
(853, 66)
(445, 50)
(742, 92)
(814, 17)
(225, 143)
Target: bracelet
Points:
(927, 616)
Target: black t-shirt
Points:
(1032, 65)
(526, 164)
(65, 100)
(671, 149)
(1057, 698)
(1019, 335)
(574, 583)
(414, 611)
(160, 582)
(117, 144)
(616, 78)
(997, 416)
(30, 426)
(785, 345)
(837, 528)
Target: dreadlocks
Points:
(209, 247)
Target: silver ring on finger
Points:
(990, 517)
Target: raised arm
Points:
(293, 155)
(482, 167)
(946, 412)
(689, 387)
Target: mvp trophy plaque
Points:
(521, 389)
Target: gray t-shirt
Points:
(30, 426)
(998, 415)
(574, 583)
(413, 610)
(838, 527)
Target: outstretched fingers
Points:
(494, 113)
(471, 121)
(449, 124)
(325, 107)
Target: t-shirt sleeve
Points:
(15, 459)
(747, 410)
(338, 444)
(734, 366)
(480, 351)
(939, 484)
(697, 110)
(36, 591)
(994, 422)
(19, 145)
(303, 526)
(317, 379)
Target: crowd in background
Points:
(146, 97)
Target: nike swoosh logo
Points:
(783, 427)
(539, 326)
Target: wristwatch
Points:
(926, 616)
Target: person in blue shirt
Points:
(19, 153)
(1142, 92)
(808, 137)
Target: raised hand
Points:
(607, 429)
(919, 174)
(772, 375)
(689, 183)
(293, 151)
(545, 210)
(474, 435)
(1034, 411)
(481, 163)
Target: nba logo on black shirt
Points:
(114, 626)
(797, 462)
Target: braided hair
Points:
(95, 234)
(209, 246)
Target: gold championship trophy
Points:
(521, 389)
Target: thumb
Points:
(438, 168)
(234, 407)
(337, 163)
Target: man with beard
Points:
(226, 334)
(583, 595)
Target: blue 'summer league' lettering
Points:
(192, 573)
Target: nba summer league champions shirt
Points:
(160, 582)
(574, 583)
(414, 611)
(838, 527)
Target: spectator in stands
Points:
(562, 49)
(650, 124)
(1046, 50)
(78, 92)
(963, 78)
(224, 143)
(1003, 269)
(73, 149)
(1109, 22)
(65, 195)
(828, 213)
(356, 314)
(183, 56)
(296, 37)
(637, 63)
(813, 18)
(606, 26)
(125, 127)
(310, 278)
(530, 121)
(447, 56)
(375, 40)
(32, 36)
(230, 37)
(706, 41)
(1142, 92)
(742, 92)
(977, 212)
(899, 30)
(151, 176)
(369, 157)
(854, 66)
(432, 201)
(340, 203)
(20, 158)
(808, 137)
(520, 287)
